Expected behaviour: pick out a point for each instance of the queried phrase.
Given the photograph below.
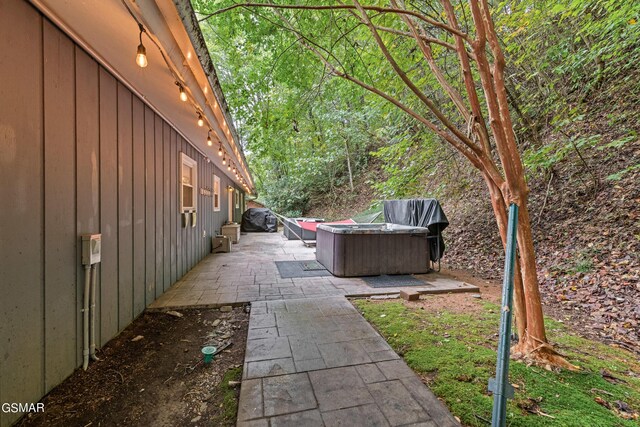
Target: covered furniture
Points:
(259, 220)
(420, 213)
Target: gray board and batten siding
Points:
(80, 153)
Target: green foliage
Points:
(456, 351)
(227, 415)
(555, 151)
(301, 126)
(562, 50)
(619, 175)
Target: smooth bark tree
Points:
(478, 125)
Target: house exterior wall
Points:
(222, 216)
(79, 153)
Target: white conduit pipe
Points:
(85, 317)
(92, 346)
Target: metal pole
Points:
(500, 385)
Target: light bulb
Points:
(234, 169)
(183, 94)
(200, 121)
(224, 161)
(220, 151)
(209, 141)
(141, 57)
(228, 167)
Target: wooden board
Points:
(125, 209)
(108, 206)
(87, 173)
(150, 205)
(60, 258)
(159, 212)
(21, 215)
(169, 229)
(139, 246)
(174, 204)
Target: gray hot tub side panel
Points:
(293, 231)
(325, 249)
(371, 252)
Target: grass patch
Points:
(229, 409)
(456, 352)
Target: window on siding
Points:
(216, 193)
(189, 184)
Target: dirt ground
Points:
(491, 290)
(463, 302)
(157, 380)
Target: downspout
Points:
(92, 346)
(85, 317)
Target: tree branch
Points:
(425, 100)
(342, 7)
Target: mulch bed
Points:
(157, 380)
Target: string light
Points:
(229, 167)
(183, 94)
(142, 62)
(141, 56)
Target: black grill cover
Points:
(420, 213)
(259, 219)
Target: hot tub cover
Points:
(305, 228)
(420, 213)
(259, 219)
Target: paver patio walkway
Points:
(318, 362)
(311, 358)
(248, 273)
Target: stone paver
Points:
(311, 358)
(286, 394)
(342, 374)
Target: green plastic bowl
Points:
(208, 352)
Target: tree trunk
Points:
(500, 213)
(506, 179)
(346, 146)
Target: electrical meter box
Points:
(91, 248)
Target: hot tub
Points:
(306, 228)
(348, 250)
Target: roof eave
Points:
(190, 22)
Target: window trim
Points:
(216, 180)
(189, 162)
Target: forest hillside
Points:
(321, 146)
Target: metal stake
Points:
(500, 385)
